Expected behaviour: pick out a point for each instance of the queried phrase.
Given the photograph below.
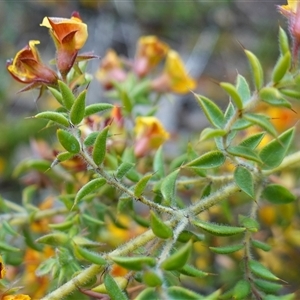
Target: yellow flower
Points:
(150, 51)
(111, 69)
(16, 297)
(67, 32)
(150, 134)
(181, 82)
(27, 67)
(2, 268)
(174, 78)
(291, 7)
(69, 36)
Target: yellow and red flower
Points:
(111, 69)
(150, 51)
(69, 36)
(175, 77)
(150, 135)
(292, 12)
(27, 67)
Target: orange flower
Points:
(69, 36)
(36, 285)
(150, 51)
(110, 70)
(150, 134)
(174, 78)
(16, 297)
(27, 67)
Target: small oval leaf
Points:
(68, 141)
(233, 93)
(168, 187)
(212, 159)
(211, 110)
(99, 150)
(217, 229)
(67, 95)
(261, 271)
(135, 263)
(244, 180)
(159, 228)
(227, 249)
(96, 107)
(257, 70)
(178, 259)
(54, 117)
(278, 194)
(77, 110)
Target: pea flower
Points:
(27, 67)
(292, 12)
(174, 77)
(150, 134)
(110, 70)
(150, 51)
(69, 36)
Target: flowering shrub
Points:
(127, 221)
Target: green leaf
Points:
(208, 133)
(261, 271)
(244, 152)
(217, 229)
(212, 112)
(252, 141)
(90, 139)
(227, 249)
(274, 152)
(277, 194)
(56, 117)
(268, 287)
(141, 185)
(243, 89)
(209, 160)
(5, 247)
(88, 188)
(89, 256)
(96, 107)
(168, 187)
(241, 124)
(180, 293)
(152, 279)
(273, 97)
(283, 42)
(178, 259)
(282, 66)
(262, 121)
(290, 93)
(244, 180)
(261, 245)
(249, 223)
(233, 93)
(56, 94)
(123, 169)
(54, 239)
(158, 163)
(191, 271)
(257, 70)
(159, 228)
(113, 289)
(68, 97)
(77, 110)
(63, 156)
(68, 141)
(135, 263)
(99, 150)
(241, 290)
(147, 294)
